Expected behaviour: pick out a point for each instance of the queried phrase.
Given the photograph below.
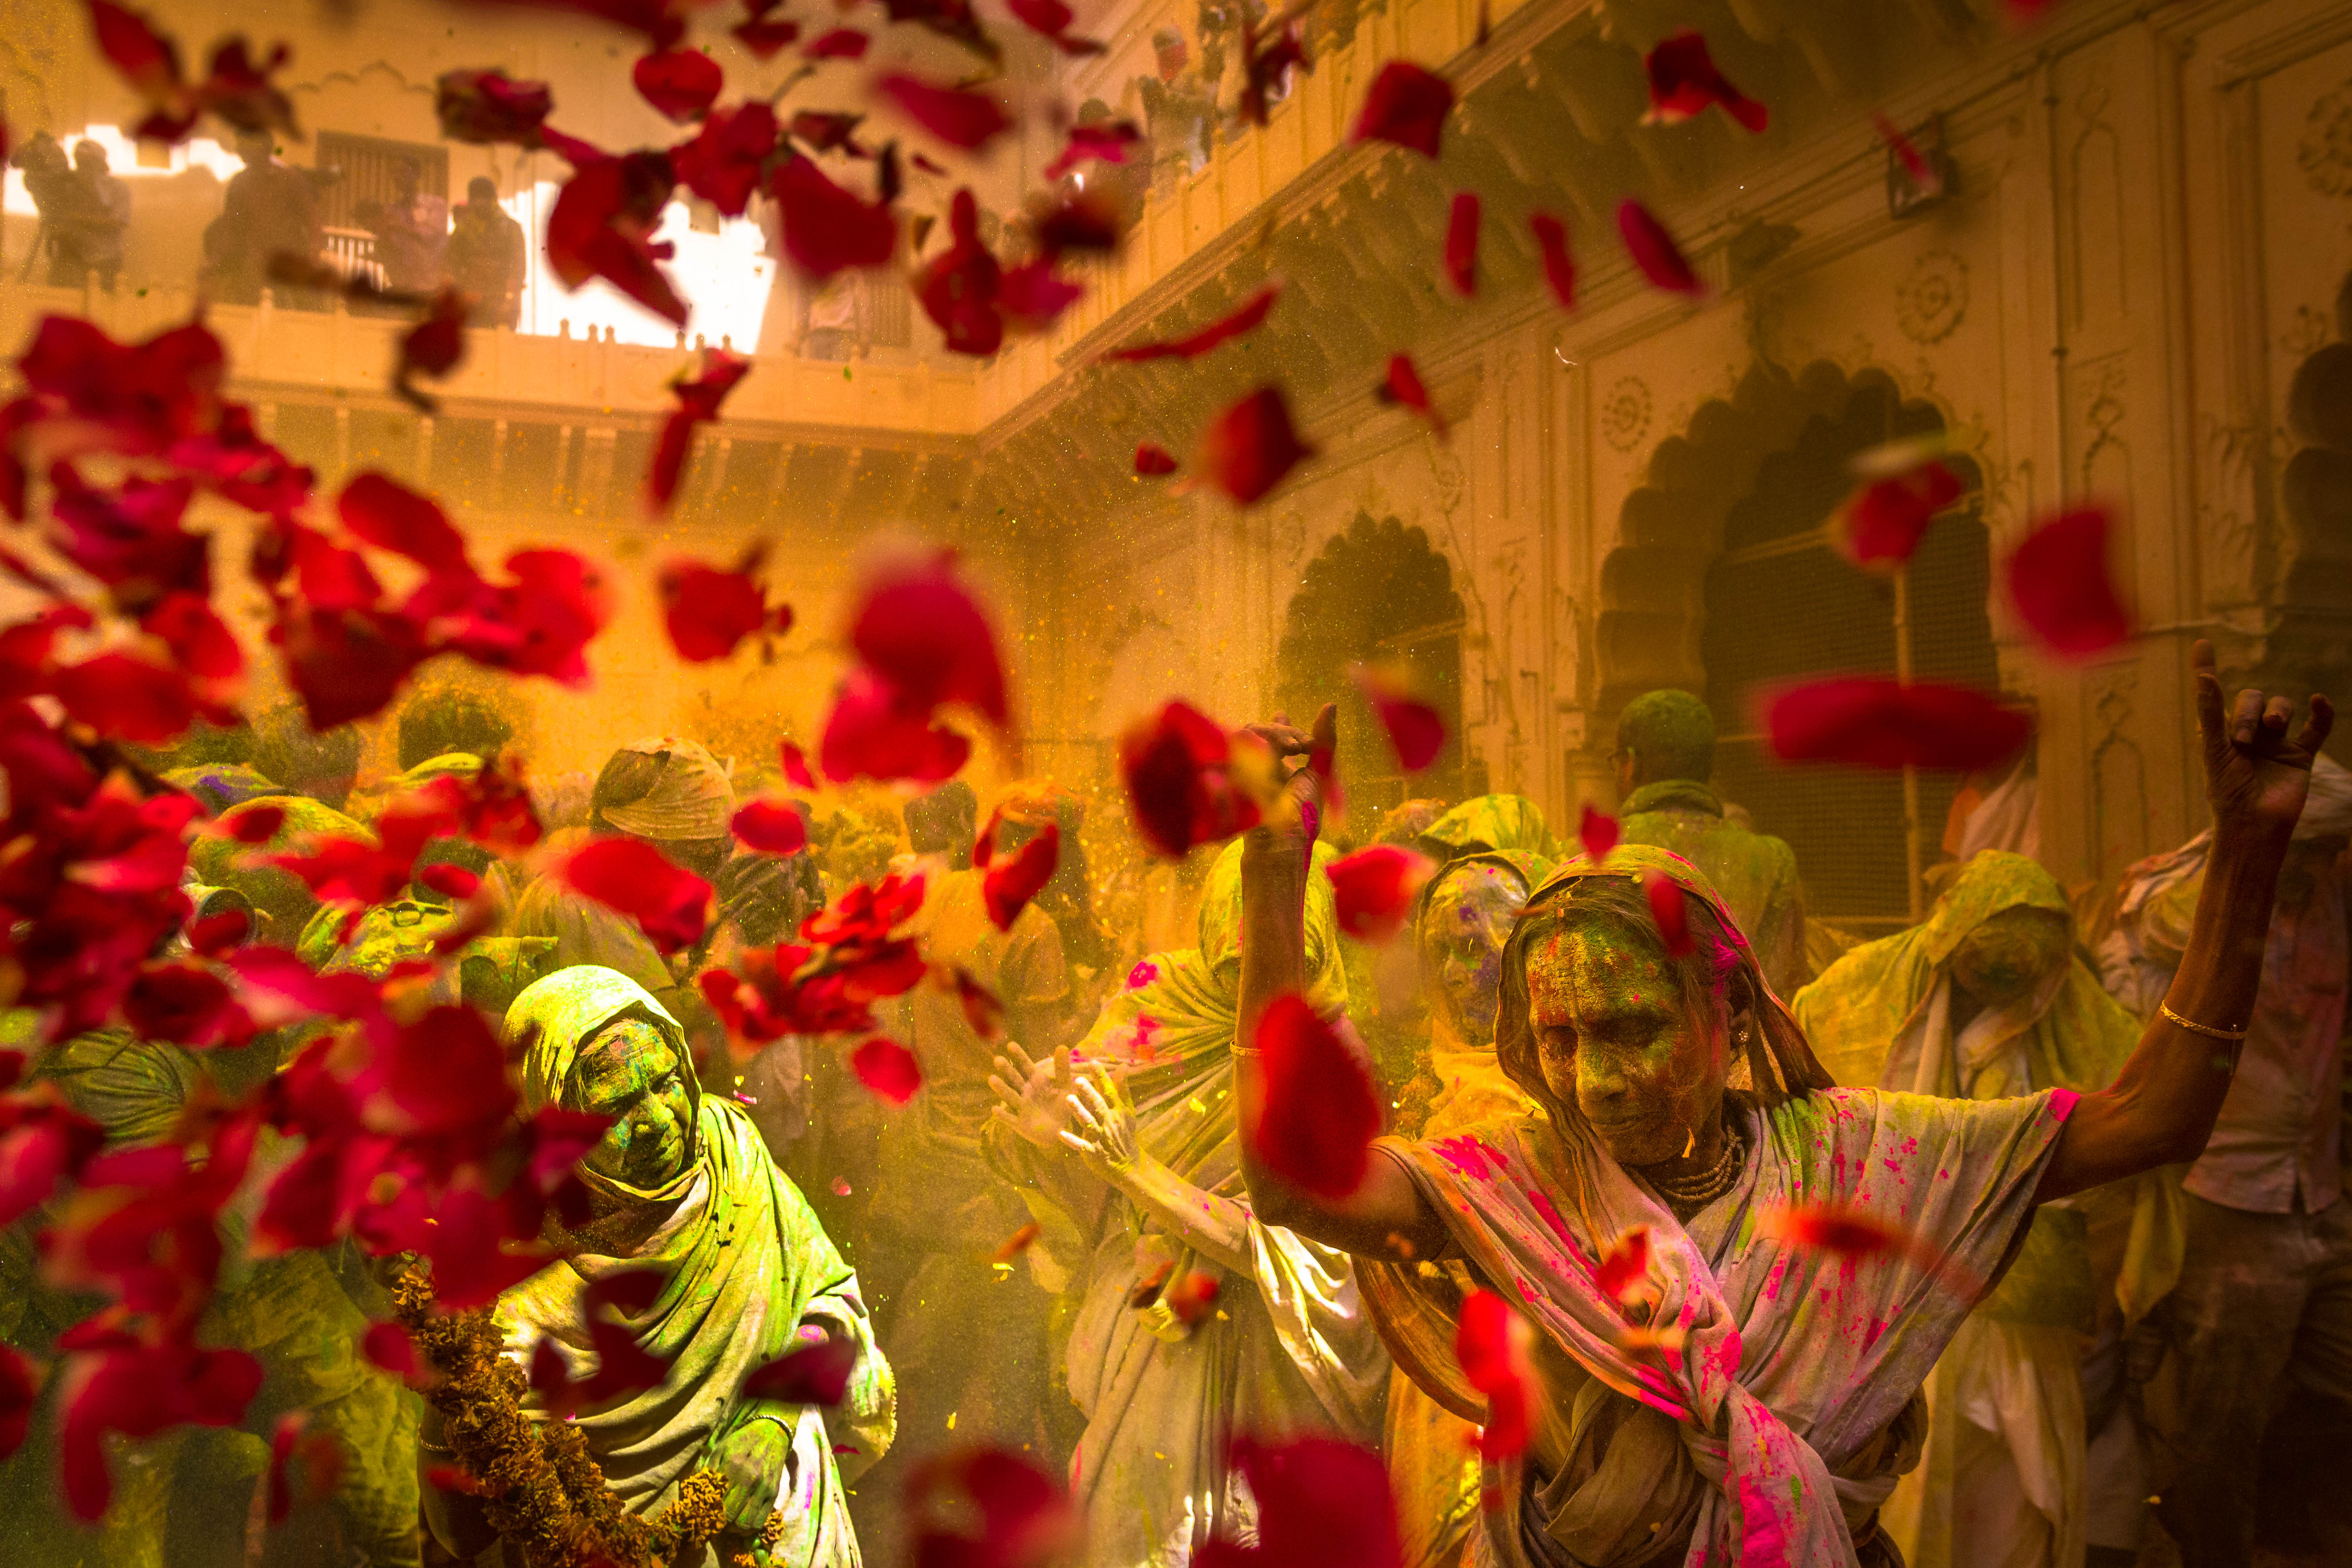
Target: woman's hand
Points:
(1039, 1108)
(753, 1458)
(1102, 1126)
(1302, 765)
(2255, 777)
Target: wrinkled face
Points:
(1461, 935)
(1613, 1040)
(2011, 955)
(628, 1071)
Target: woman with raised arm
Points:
(1757, 1404)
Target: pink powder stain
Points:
(1870, 1335)
(1466, 1157)
(1773, 1280)
(1144, 973)
(1763, 1529)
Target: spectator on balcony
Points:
(103, 212)
(62, 204)
(1178, 110)
(412, 234)
(486, 256)
(269, 210)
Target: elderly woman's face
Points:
(2011, 955)
(628, 1071)
(1613, 1040)
(1461, 935)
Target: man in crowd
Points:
(486, 256)
(269, 209)
(412, 234)
(1664, 756)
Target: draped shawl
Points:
(744, 1265)
(1790, 1393)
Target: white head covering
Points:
(2328, 810)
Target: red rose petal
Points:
(1376, 887)
(1490, 1346)
(1462, 243)
(981, 1007)
(1623, 1271)
(770, 827)
(1683, 81)
(1321, 1110)
(681, 83)
(1321, 1504)
(19, 1389)
(1244, 318)
(484, 107)
(726, 160)
(872, 734)
(1416, 731)
(925, 634)
(840, 44)
(1599, 833)
(2059, 582)
(1175, 768)
(602, 225)
(1108, 143)
(1923, 176)
(813, 1374)
(957, 117)
(1246, 450)
(766, 39)
(1882, 525)
(1407, 105)
(698, 398)
(827, 228)
(1668, 912)
(387, 1345)
(708, 611)
(795, 765)
(449, 879)
(888, 1068)
(1874, 721)
(1011, 880)
(1152, 461)
(1052, 18)
(391, 516)
(1653, 249)
(1033, 295)
(1559, 267)
(119, 695)
(671, 905)
(1403, 387)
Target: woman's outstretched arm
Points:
(2161, 1107)
(1386, 1217)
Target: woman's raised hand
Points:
(1038, 1108)
(2256, 776)
(1102, 1124)
(1302, 760)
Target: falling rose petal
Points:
(813, 1374)
(2059, 582)
(957, 117)
(708, 611)
(1011, 880)
(670, 905)
(1873, 721)
(456, 1479)
(1407, 105)
(1403, 388)
(303, 1465)
(794, 762)
(1653, 249)
(1416, 731)
(726, 160)
(840, 44)
(1246, 318)
(872, 732)
(19, 1387)
(1052, 19)
(1321, 1110)
(1462, 243)
(449, 879)
(1490, 1346)
(128, 698)
(1623, 1271)
(1152, 461)
(1109, 142)
(1683, 81)
(990, 1507)
(148, 60)
(1032, 296)
(1376, 887)
(1321, 1504)
(767, 37)
(209, 936)
(389, 515)
(1922, 174)
(1855, 1236)
(827, 228)
(433, 347)
(888, 1068)
(681, 83)
(1599, 833)
(768, 827)
(486, 106)
(187, 1004)
(1668, 912)
(1176, 766)
(1882, 525)
(1246, 450)
(698, 398)
(1016, 1244)
(958, 288)
(1559, 267)
(387, 1345)
(924, 632)
(602, 225)
(1191, 1297)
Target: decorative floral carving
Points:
(1625, 412)
(2325, 153)
(1932, 297)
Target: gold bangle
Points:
(2196, 1028)
(1242, 1050)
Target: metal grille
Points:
(366, 163)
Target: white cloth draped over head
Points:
(691, 798)
(744, 1268)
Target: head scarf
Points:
(691, 798)
(562, 1012)
(2327, 809)
(1492, 821)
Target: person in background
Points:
(321, 765)
(105, 213)
(412, 234)
(486, 256)
(268, 210)
(63, 204)
(1664, 756)
(2260, 1320)
(1987, 1000)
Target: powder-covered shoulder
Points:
(1892, 1150)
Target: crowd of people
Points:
(1067, 1244)
(271, 232)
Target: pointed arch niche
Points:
(1723, 584)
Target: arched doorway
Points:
(1726, 585)
(1376, 593)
